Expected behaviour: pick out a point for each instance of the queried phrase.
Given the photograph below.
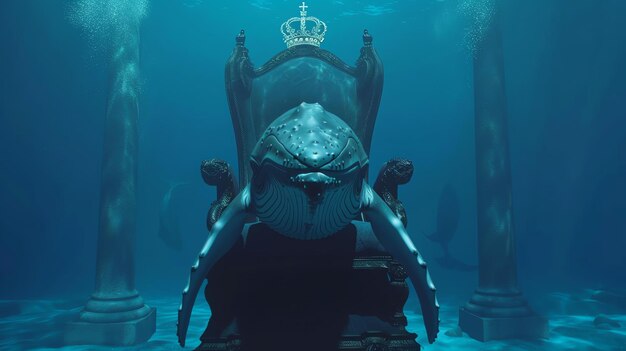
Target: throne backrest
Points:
(303, 73)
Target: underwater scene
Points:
(250, 175)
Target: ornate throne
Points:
(274, 293)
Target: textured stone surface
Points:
(126, 333)
(496, 328)
(40, 327)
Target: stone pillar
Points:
(116, 314)
(497, 310)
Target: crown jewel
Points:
(303, 30)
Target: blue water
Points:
(566, 95)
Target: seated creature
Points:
(308, 183)
(306, 255)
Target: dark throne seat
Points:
(275, 293)
(271, 292)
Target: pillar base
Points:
(494, 328)
(493, 316)
(121, 333)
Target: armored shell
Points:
(309, 137)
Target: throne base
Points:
(391, 339)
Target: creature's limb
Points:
(218, 173)
(222, 237)
(392, 235)
(394, 172)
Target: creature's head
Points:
(308, 171)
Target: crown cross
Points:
(303, 8)
(310, 31)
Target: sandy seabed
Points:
(38, 325)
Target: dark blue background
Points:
(566, 87)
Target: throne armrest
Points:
(218, 173)
(394, 172)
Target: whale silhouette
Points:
(448, 212)
(169, 227)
